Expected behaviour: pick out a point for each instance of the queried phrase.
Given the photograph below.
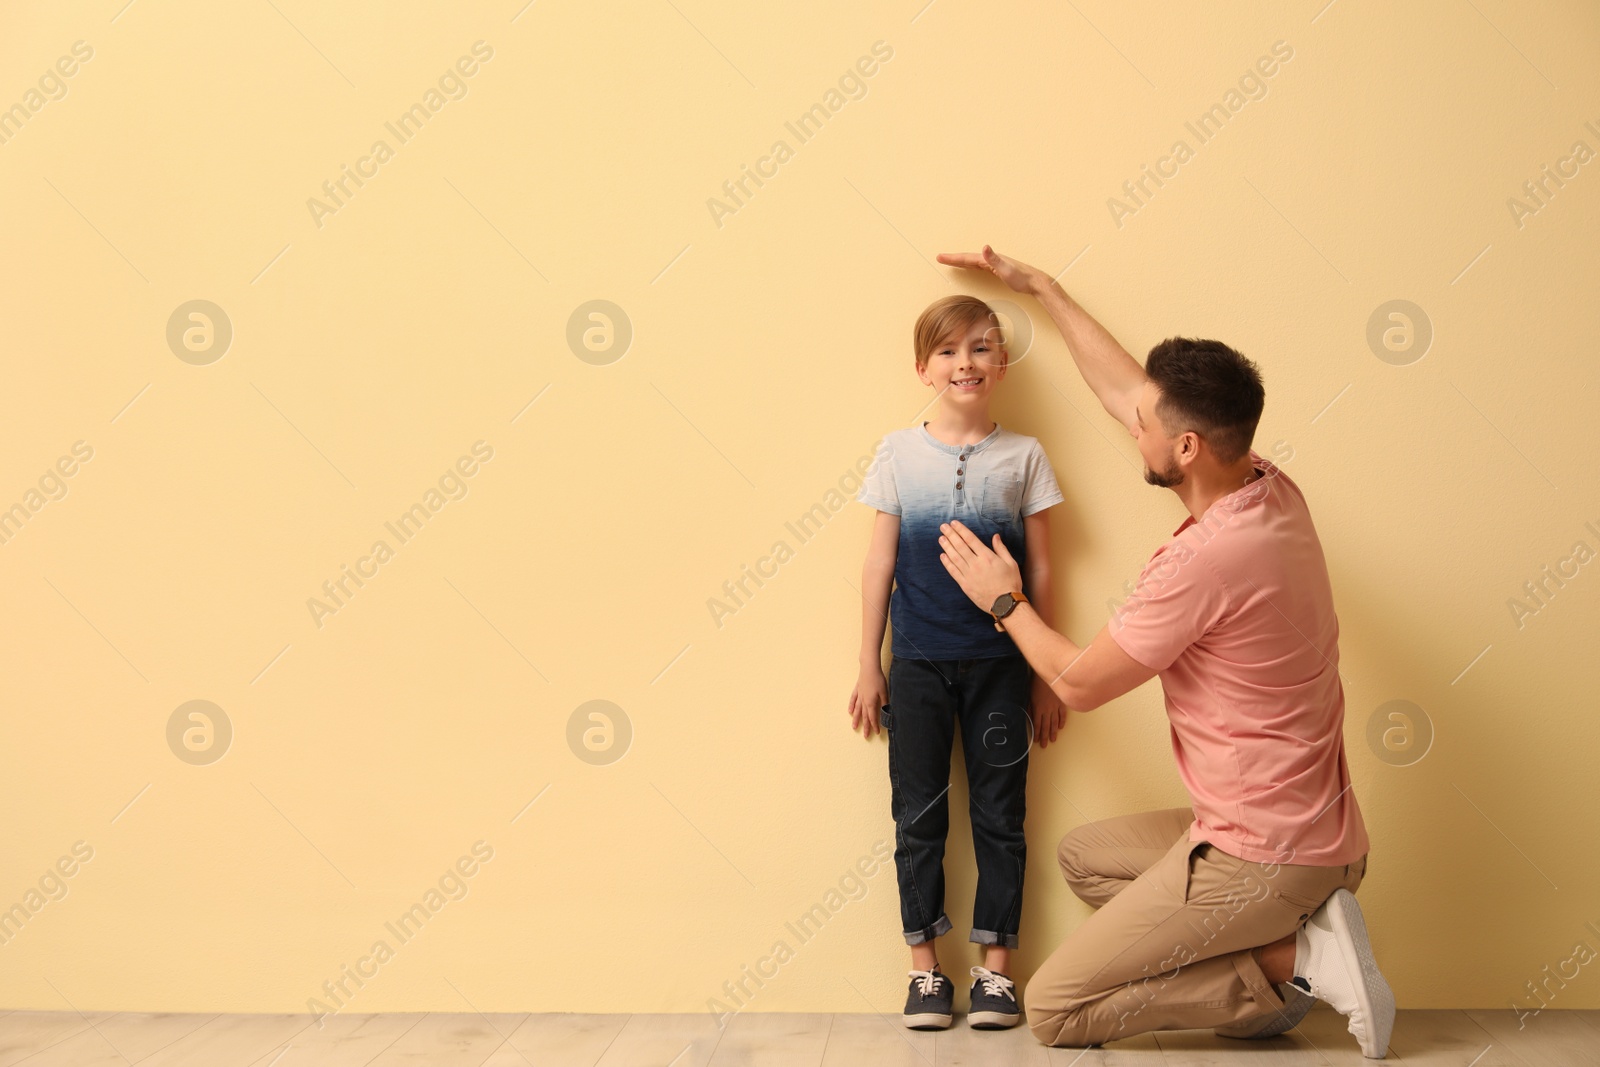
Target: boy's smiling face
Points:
(966, 367)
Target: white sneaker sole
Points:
(1373, 995)
(992, 1020)
(927, 1021)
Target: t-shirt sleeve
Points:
(877, 484)
(1177, 599)
(1041, 490)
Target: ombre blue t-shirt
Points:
(990, 486)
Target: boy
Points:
(952, 663)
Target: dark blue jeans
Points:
(988, 698)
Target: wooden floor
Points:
(1436, 1038)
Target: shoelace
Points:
(927, 982)
(994, 985)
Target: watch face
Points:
(1004, 604)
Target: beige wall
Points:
(377, 339)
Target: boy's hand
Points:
(1048, 713)
(870, 694)
(982, 573)
(1014, 272)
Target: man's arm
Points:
(1113, 375)
(1083, 678)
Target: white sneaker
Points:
(1334, 958)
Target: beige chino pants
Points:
(1169, 946)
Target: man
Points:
(1237, 912)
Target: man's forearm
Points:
(1049, 653)
(1113, 375)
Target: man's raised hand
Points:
(1014, 273)
(1116, 377)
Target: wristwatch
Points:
(1004, 605)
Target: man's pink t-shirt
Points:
(1236, 615)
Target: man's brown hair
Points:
(1209, 388)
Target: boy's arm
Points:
(1036, 574)
(1113, 375)
(877, 578)
(871, 690)
(1044, 707)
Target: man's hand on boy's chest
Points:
(982, 573)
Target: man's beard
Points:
(1169, 478)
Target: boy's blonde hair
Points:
(952, 315)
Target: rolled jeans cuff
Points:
(928, 933)
(989, 937)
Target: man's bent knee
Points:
(1060, 1029)
(1048, 1026)
(1085, 884)
(1052, 1013)
(1068, 855)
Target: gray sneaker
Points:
(994, 1001)
(1296, 1003)
(929, 1000)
